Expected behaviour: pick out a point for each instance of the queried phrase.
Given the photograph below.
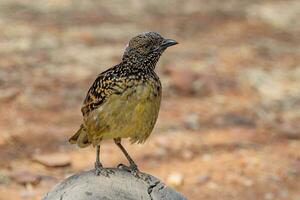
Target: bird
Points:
(124, 100)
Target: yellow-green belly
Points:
(130, 115)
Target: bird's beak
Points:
(167, 43)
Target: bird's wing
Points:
(106, 84)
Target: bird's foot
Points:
(99, 170)
(104, 172)
(133, 169)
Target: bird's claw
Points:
(99, 170)
(123, 167)
(104, 172)
(133, 169)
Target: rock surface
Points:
(120, 185)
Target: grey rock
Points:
(121, 185)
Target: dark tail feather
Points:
(80, 138)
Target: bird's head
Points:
(147, 47)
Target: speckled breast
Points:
(130, 115)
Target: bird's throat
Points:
(144, 62)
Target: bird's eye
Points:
(148, 45)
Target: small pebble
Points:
(206, 157)
(202, 179)
(247, 182)
(175, 179)
(25, 177)
(53, 160)
(160, 152)
(192, 121)
(187, 154)
(269, 196)
(212, 185)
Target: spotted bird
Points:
(124, 100)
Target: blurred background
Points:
(229, 125)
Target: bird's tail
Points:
(80, 138)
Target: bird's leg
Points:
(98, 166)
(97, 163)
(133, 167)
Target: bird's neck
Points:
(142, 62)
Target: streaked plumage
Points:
(124, 100)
